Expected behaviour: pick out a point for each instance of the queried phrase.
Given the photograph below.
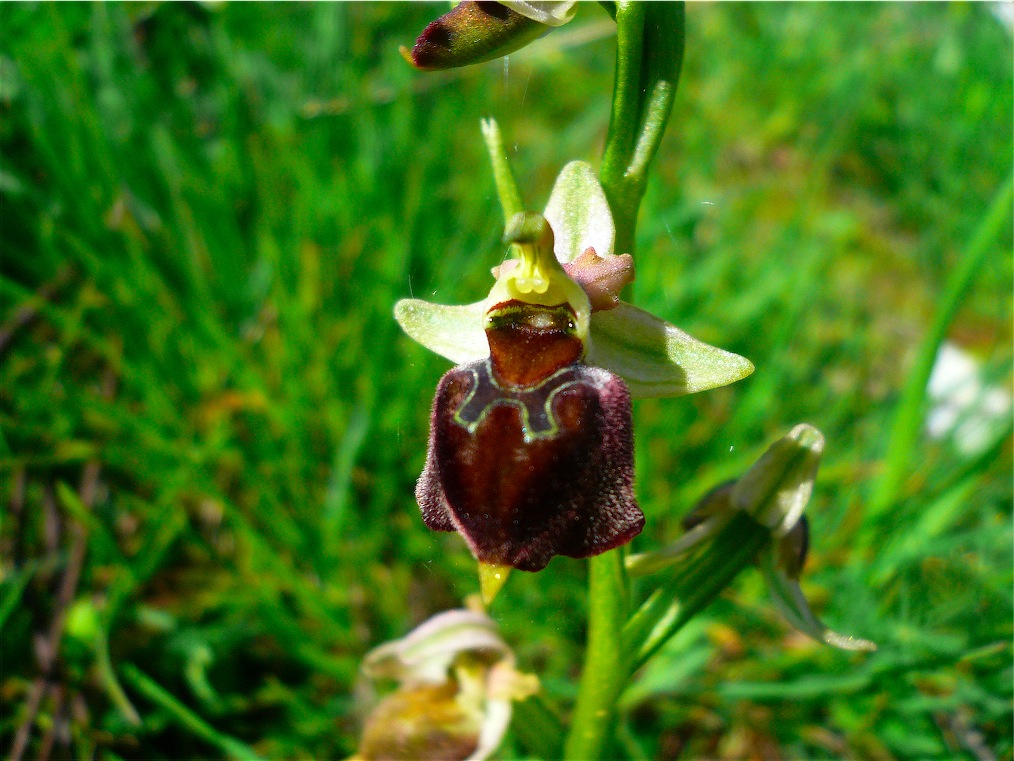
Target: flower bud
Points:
(774, 492)
(472, 32)
(777, 488)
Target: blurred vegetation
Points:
(211, 426)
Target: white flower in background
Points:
(964, 407)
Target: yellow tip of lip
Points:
(491, 580)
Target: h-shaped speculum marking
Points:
(534, 402)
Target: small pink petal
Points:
(602, 278)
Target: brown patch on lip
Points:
(530, 342)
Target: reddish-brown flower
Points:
(530, 447)
(531, 451)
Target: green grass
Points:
(209, 212)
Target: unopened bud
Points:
(472, 32)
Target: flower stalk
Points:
(606, 666)
(649, 55)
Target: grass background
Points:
(206, 407)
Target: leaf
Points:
(579, 213)
(454, 332)
(656, 358)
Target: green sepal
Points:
(656, 358)
(579, 213)
(453, 332)
(777, 488)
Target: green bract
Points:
(774, 492)
(654, 357)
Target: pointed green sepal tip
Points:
(656, 358)
(791, 602)
(491, 580)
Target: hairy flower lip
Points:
(520, 493)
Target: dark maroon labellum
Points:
(531, 451)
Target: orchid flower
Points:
(774, 492)
(531, 449)
(456, 681)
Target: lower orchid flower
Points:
(531, 447)
(456, 681)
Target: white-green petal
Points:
(778, 486)
(792, 604)
(454, 332)
(548, 13)
(656, 358)
(495, 721)
(579, 213)
(424, 655)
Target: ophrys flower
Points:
(531, 448)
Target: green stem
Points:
(606, 667)
(649, 54)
